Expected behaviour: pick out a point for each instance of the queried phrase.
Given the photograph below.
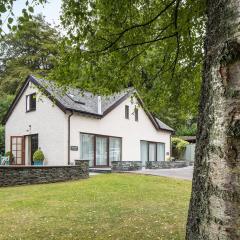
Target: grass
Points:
(110, 206)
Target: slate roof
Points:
(162, 125)
(82, 101)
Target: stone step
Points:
(100, 170)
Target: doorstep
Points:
(100, 170)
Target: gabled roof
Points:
(81, 101)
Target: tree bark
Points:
(214, 211)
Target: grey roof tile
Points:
(84, 101)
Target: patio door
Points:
(17, 146)
(101, 157)
(34, 146)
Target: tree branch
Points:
(120, 34)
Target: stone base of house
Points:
(21, 175)
(119, 166)
(168, 164)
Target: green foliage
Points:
(187, 130)
(7, 15)
(178, 147)
(38, 156)
(30, 49)
(154, 46)
(8, 154)
(5, 101)
(2, 139)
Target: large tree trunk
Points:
(214, 211)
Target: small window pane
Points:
(127, 112)
(136, 114)
(31, 102)
(87, 148)
(160, 152)
(114, 149)
(152, 152)
(144, 152)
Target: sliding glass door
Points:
(101, 151)
(152, 151)
(87, 148)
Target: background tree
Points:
(29, 49)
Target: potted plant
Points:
(38, 158)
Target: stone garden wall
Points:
(19, 175)
(168, 164)
(118, 166)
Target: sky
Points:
(50, 10)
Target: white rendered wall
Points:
(115, 124)
(48, 121)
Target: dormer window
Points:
(31, 102)
(126, 111)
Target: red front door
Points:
(17, 150)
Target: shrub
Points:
(178, 147)
(38, 156)
(8, 154)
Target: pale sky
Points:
(51, 11)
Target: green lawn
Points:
(110, 206)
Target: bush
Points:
(38, 156)
(2, 139)
(178, 147)
(8, 154)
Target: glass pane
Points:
(19, 147)
(101, 151)
(19, 140)
(152, 152)
(28, 103)
(87, 148)
(114, 149)
(14, 141)
(19, 160)
(160, 152)
(144, 152)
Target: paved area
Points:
(182, 173)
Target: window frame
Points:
(156, 155)
(108, 148)
(127, 112)
(29, 98)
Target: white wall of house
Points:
(48, 121)
(115, 124)
(51, 125)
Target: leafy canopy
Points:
(7, 15)
(31, 48)
(153, 45)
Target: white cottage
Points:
(79, 125)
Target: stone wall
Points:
(118, 166)
(19, 175)
(168, 164)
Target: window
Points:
(31, 102)
(127, 112)
(136, 114)
(115, 149)
(152, 151)
(87, 148)
(100, 150)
